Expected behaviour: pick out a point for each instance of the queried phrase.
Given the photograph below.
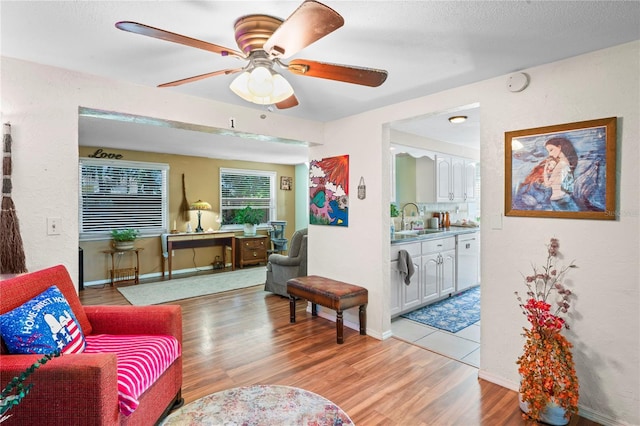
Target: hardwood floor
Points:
(244, 337)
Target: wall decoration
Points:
(12, 257)
(362, 189)
(286, 182)
(562, 171)
(329, 191)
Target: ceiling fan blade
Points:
(290, 102)
(309, 22)
(199, 77)
(137, 28)
(346, 73)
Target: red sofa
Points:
(82, 389)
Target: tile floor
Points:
(463, 346)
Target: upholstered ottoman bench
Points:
(332, 294)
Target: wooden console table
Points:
(196, 240)
(124, 275)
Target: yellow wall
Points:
(202, 181)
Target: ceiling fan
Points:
(265, 41)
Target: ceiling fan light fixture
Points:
(240, 86)
(260, 82)
(281, 89)
(457, 119)
(261, 86)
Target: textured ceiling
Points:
(426, 46)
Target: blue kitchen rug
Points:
(451, 314)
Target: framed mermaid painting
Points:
(562, 171)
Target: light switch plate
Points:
(496, 221)
(53, 226)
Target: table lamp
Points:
(199, 206)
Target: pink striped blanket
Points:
(141, 360)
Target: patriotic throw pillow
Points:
(42, 325)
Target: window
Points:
(116, 194)
(241, 188)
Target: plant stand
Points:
(124, 275)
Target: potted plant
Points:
(250, 218)
(394, 212)
(123, 238)
(549, 384)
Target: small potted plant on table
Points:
(123, 238)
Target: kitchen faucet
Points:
(403, 224)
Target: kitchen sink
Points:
(408, 232)
(418, 231)
(430, 231)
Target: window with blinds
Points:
(241, 188)
(116, 194)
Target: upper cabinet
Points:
(441, 178)
(455, 179)
(470, 178)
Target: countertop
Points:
(451, 232)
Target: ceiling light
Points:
(457, 119)
(261, 85)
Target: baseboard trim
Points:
(498, 380)
(154, 275)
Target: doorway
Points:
(431, 137)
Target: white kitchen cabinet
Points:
(448, 269)
(434, 262)
(470, 173)
(405, 297)
(438, 268)
(444, 178)
(455, 179)
(430, 268)
(395, 293)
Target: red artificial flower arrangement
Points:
(546, 365)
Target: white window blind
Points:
(241, 188)
(116, 194)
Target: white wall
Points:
(302, 196)
(41, 104)
(606, 319)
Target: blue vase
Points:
(553, 414)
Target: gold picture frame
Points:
(286, 183)
(562, 171)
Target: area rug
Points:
(260, 405)
(185, 288)
(452, 314)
